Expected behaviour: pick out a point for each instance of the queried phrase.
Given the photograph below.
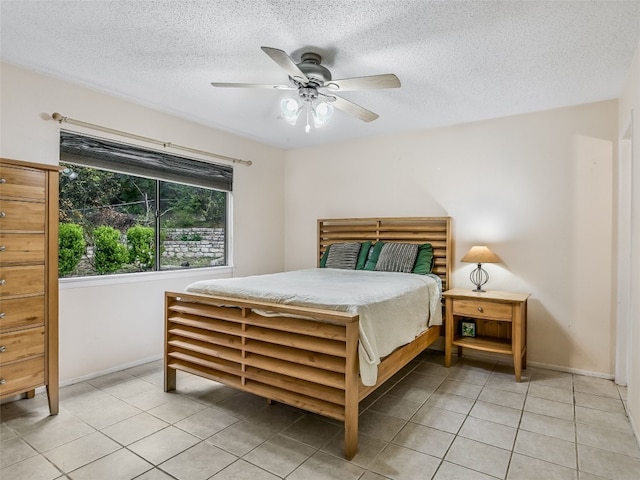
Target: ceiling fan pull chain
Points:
(307, 128)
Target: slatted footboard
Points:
(310, 364)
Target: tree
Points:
(183, 206)
(99, 197)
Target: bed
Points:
(309, 354)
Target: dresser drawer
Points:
(21, 344)
(19, 182)
(22, 216)
(22, 312)
(21, 280)
(482, 309)
(21, 248)
(21, 376)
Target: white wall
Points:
(536, 188)
(630, 107)
(104, 326)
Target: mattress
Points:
(393, 307)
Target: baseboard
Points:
(496, 357)
(71, 381)
(633, 426)
(577, 371)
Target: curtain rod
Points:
(62, 119)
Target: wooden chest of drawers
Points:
(28, 279)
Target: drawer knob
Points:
(2, 214)
(3, 281)
(480, 309)
(2, 381)
(2, 248)
(3, 349)
(3, 180)
(2, 314)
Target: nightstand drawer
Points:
(21, 376)
(21, 345)
(482, 309)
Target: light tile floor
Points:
(471, 421)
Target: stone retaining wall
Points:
(193, 242)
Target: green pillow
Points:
(424, 260)
(323, 259)
(373, 258)
(364, 253)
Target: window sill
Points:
(139, 277)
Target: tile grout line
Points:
(485, 385)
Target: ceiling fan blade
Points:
(387, 80)
(252, 85)
(350, 107)
(285, 62)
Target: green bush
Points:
(71, 246)
(109, 255)
(140, 243)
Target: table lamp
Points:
(479, 254)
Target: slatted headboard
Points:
(433, 230)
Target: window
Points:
(118, 203)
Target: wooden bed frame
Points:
(312, 365)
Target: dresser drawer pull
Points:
(2, 314)
(3, 180)
(2, 381)
(2, 248)
(480, 309)
(3, 349)
(2, 214)
(2, 282)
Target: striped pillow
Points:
(397, 257)
(343, 255)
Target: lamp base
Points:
(479, 277)
(478, 290)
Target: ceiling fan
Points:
(316, 88)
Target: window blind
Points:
(123, 158)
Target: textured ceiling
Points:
(458, 61)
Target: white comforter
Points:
(393, 307)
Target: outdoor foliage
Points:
(140, 243)
(71, 247)
(95, 199)
(98, 197)
(109, 254)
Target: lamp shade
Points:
(480, 254)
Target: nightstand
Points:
(495, 322)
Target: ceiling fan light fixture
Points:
(322, 114)
(312, 80)
(290, 109)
